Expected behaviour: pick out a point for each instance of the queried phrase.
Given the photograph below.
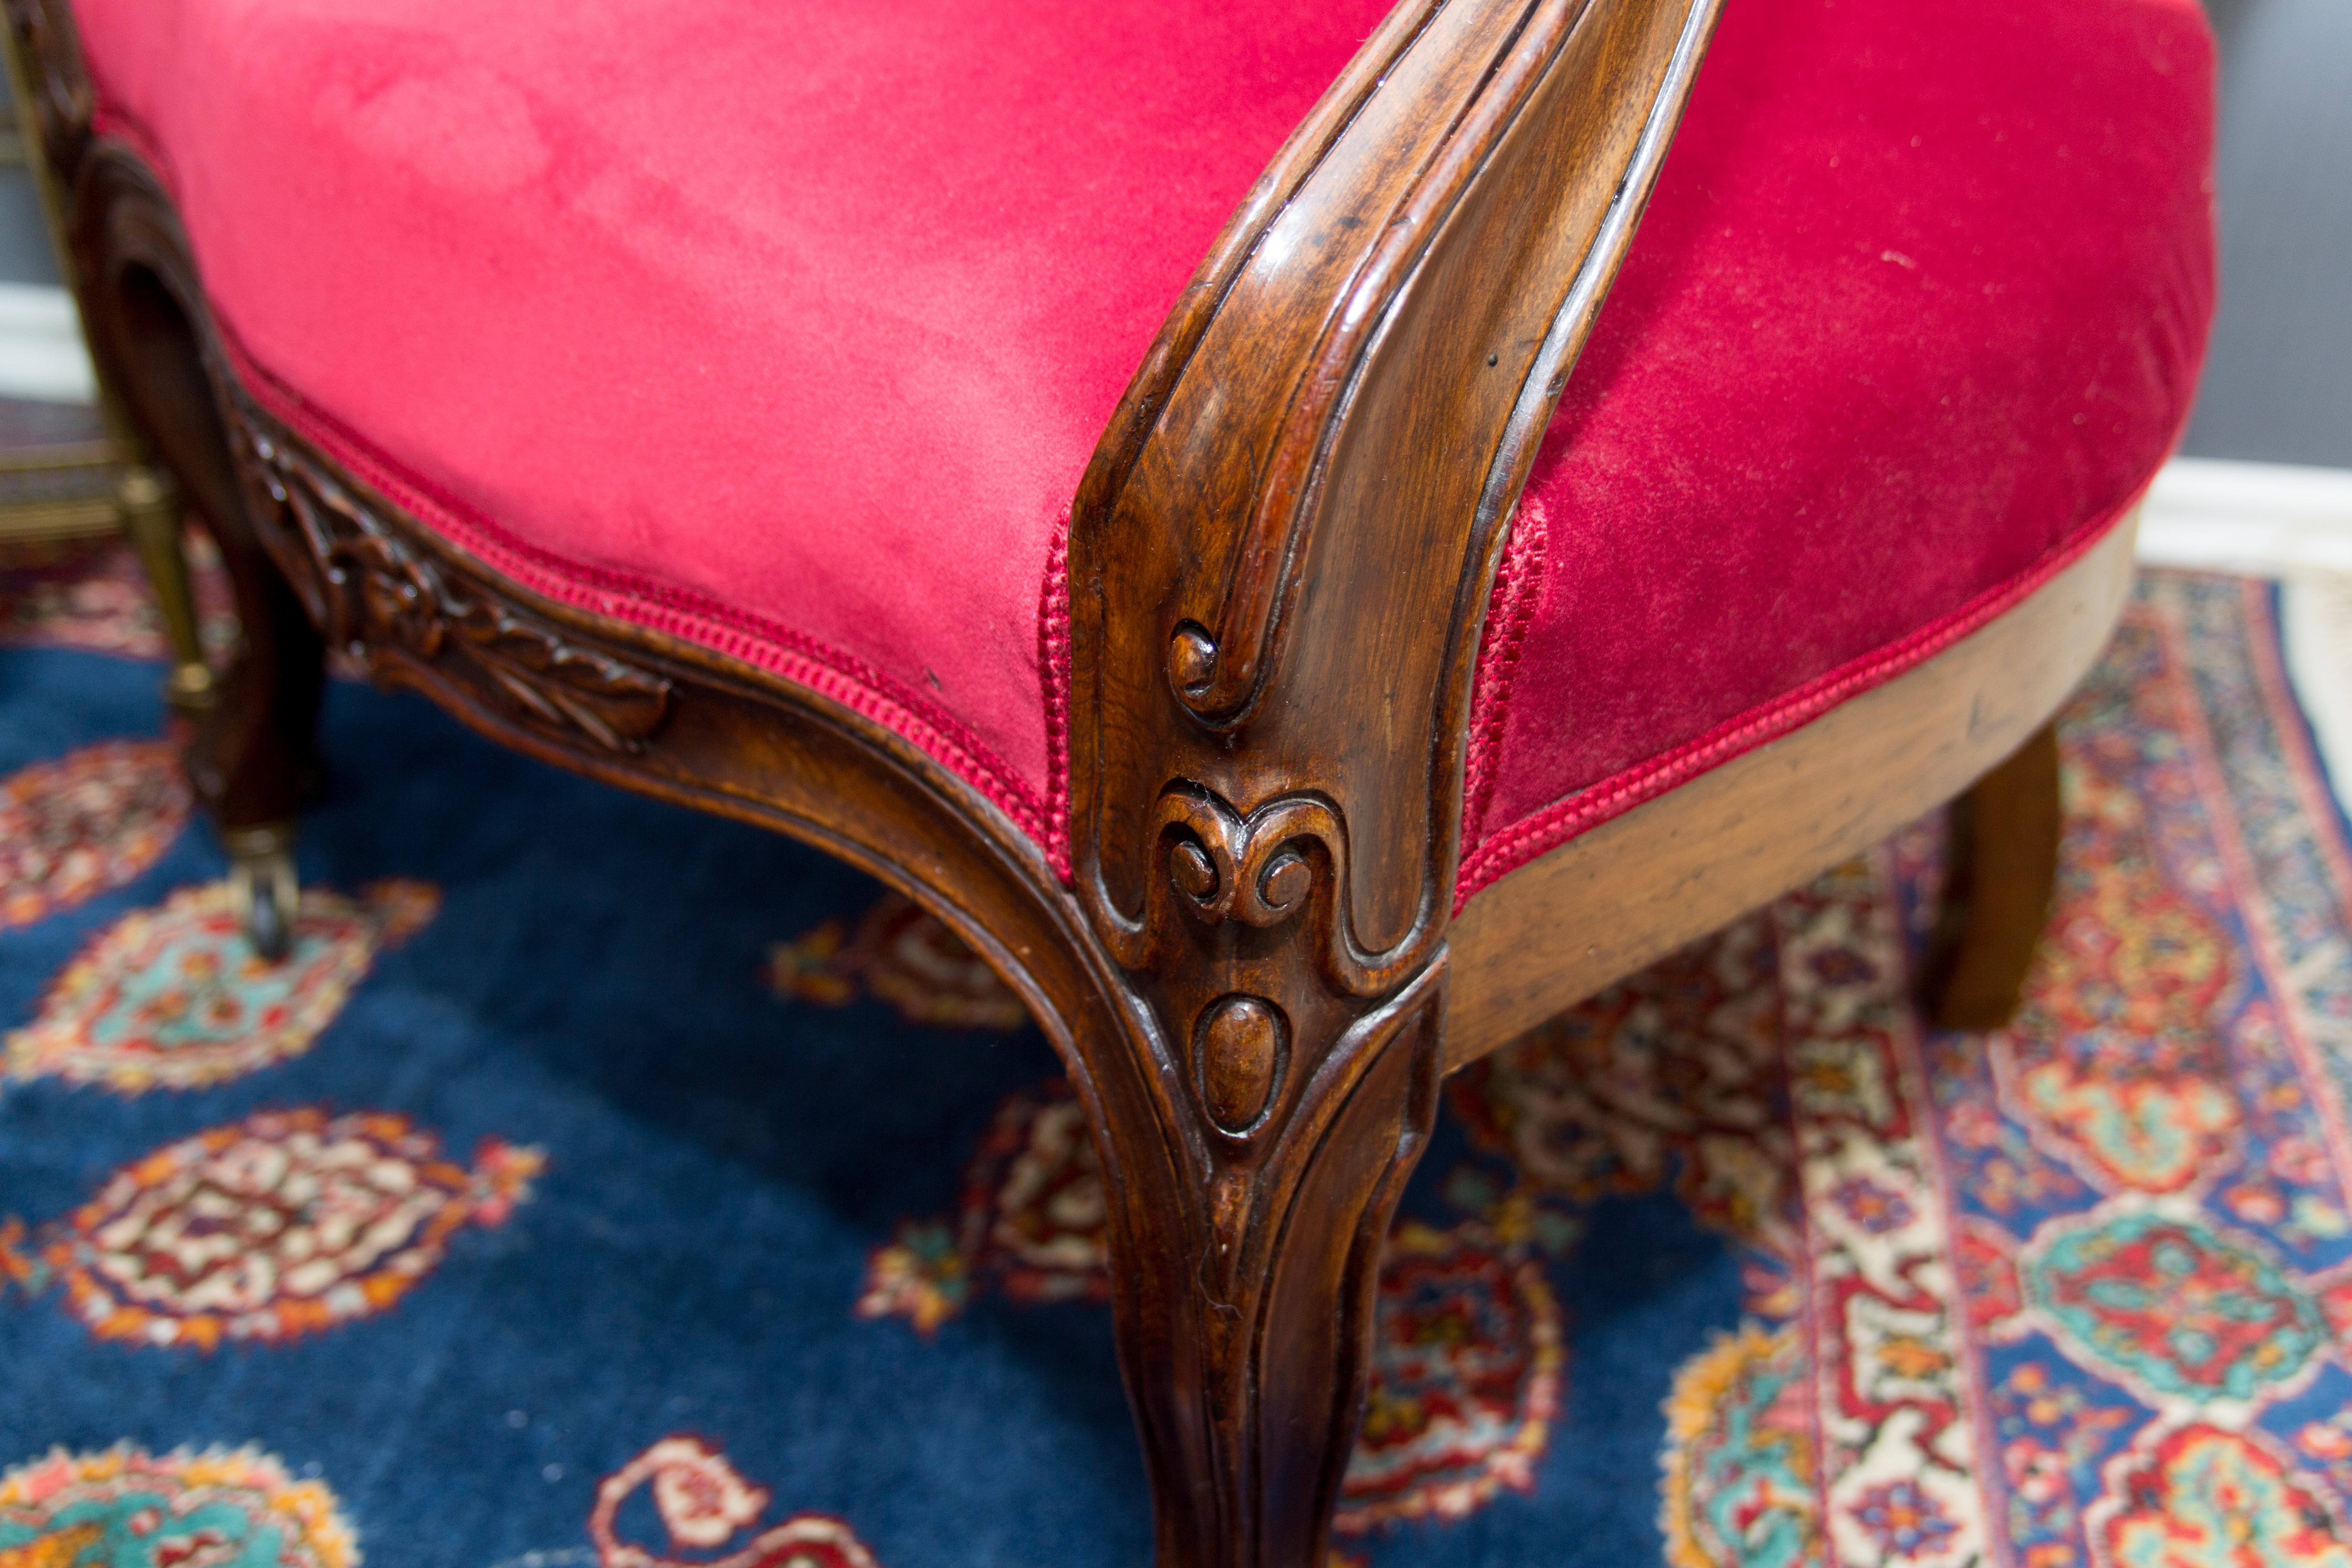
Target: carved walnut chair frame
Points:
(1278, 568)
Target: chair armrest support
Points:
(1281, 555)
(1279, 562)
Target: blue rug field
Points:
(600, 1184)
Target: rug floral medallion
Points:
(85, 823)
(175, 997)
(282, 1225)
(123, 1508)
(2077, 1291)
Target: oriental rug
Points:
(599, 1185)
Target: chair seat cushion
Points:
(1913, 318)
(786, 327)
(790, 329)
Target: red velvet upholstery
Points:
(787, 327)
(1915, 312)
(791, 328)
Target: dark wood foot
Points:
(2002, 871)
(254, 759)
(255, 755)
(1246, 1249)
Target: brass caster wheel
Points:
(263, 889)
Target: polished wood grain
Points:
(1315, 463)
(1280, 562)
(2001, 873)
(255, 753)
(1616, 899)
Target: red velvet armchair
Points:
(1217, 504)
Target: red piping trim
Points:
(799, 658)
(1511, 611)
(1054, 675)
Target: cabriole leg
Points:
(1243, 1263)
(255, 754)
(2002, 870)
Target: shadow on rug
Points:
(603, 1186)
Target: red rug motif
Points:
(709, 1513)
(87, 822)
(2078, 1291)
(283, 1224)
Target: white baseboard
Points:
(2259, 520)
(41, 354)
(2315, 627)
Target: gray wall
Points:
(25, 255)
(2278, 388)
(2278, 385)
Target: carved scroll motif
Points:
(1266, 1014)
(384, 600)
(1300, 1082)
(1285, 859)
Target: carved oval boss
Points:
(1242, 1044)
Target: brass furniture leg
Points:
(262, 885)
(148, 503)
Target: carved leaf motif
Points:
(1285, 858)
(383, 598)
(562, 683)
